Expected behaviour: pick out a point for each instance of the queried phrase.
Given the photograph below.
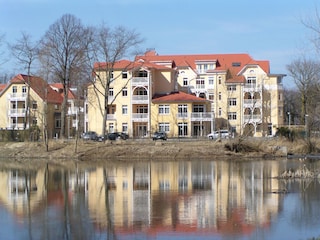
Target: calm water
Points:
(171, 200)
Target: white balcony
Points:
(111, 117)
(254, 118)
(140, 117)
(16, 126)
(140, 81)
(252, 87)
(252, 103)
(17, 112)
(74, 110)
(201, 116)
(17, 96)
(140, 99)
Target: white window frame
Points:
(164, 127)
(164, 109)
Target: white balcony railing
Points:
(140, 117)
(111, 117)
(16, 126)
(17, 96)
(17, 112)
(201, 116)
(142, 99)
(252, 103)
(252, 87)
(252, 118)
(140, 81)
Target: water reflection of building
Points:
(212, 197)
(19, 187)
(202, 195)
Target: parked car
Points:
(159, 136)
(91, 135)
(219, 134)
(114, 136)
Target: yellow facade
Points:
(42, 111)
(241, 95)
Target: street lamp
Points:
(289, 116)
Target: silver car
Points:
(219, 134)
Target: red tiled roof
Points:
(38, 85)
(125, 64)
(181, 97)
(224, 62)
(2, 86)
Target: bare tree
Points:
(64, 47)
(110, 46)
(306, 75)
(26, 52)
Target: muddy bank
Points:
(134, 150)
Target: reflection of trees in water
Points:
(307, 209)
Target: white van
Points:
(219, 134)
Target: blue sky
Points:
(267, 30)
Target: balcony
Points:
(111, 117)
(17, 112)
(17, 96)
(140, 99)
(74, 110)
(140, 117)
(201, 116)
(140, 81)
(252, 87)
(17, 126)
(252, 103)
(255, 118)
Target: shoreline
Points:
(63, 151)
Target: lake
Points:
(160, 200)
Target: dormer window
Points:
(236, 64)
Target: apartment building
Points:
(245, 97)
(44, 105)
(186, 95)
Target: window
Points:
(111, 92)
(111, 127)
(182, 110)
(164, 109)
(34, 105)
(14, 89)
(34, 121)
(24, 89)
(124, 92)
(56, 107)
(211, 96)
(219, 79)
(251, 80)
(185, 81)
(211, 81)
(164, 127)
(232, 87)
(232, 116)
(236, 64)
(220, 112)
(198, 108)
(14, 105)
(183, 129)
(125, 127)
(124, 109)
(232, 102)
(124, 75)
(200, 83)
(220, 96)
(58, 122)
